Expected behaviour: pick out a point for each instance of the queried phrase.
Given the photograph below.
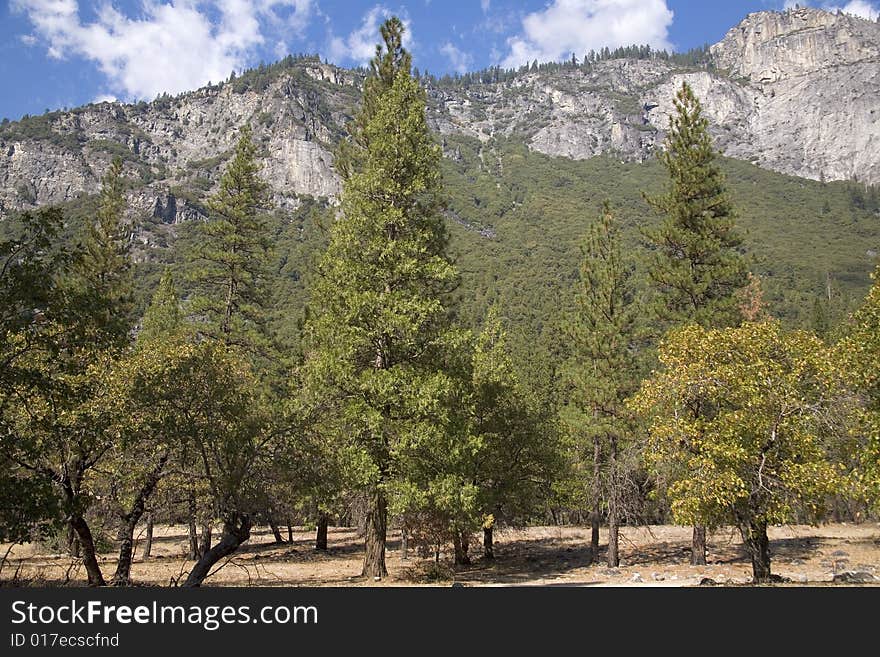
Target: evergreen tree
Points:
(696, 264)
(164, 315)
(105, 267)
(858, 356)
(494, 463)
(516, 453)
(378, 323)
(227, 256)
(603, 371)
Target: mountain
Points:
(793, 99)
(796, 92)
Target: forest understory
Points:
(657, 555)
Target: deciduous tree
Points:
(740, 420)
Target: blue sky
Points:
(64, 53)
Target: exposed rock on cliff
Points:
(795, 91)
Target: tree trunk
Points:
(404, 544)
(488, 543)
(758, 546)
(148, 541)
(72, 542)
(460, 544)
(87, 543)
(613, 543)
(361, 514)
(128, 522)
(595, 515)
(276, 530)
(236, 530)
(613, 497)
(193, 536)
(205, 540)
(375, 534)
(698, 547)
(289, 532)
(321, 534)
(122, 576)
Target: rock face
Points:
(814, 78)
(771, 46)
(183, 143)
(795, 91)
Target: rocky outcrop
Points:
(771, 46)
(795, 91)
(182, 142)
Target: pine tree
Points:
(516, 452)
(378, 322)
(228, 256)
(164, 315)
(105, 267)
(604, 370)
(696, 266)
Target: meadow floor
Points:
(556, 556)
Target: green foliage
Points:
(114, 148)
(695, 265)
(378, 329)
(859, 357)
(516, 454)
(740, 420)
(40, 128)
(105, 269)
(164, 315)
(59, 428)
(227, 256)
(31, 301)
(605, 362)
(497, 456)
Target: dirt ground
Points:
(542, 556)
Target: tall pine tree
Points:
(378, 321)
(696, 265)
(105, 266)
(164, 315)
(228, 255)
(603, 371)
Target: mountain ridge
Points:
(821, 124)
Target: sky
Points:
(65, 53)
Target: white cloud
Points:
(28, 39)
(360, 45)
(170, 46)
(485, 5)
(105, 98)
(578, 26)
(860, 8)
(458, 59)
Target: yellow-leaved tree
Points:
(740, 422)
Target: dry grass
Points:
(549, 556)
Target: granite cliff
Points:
(796, 92)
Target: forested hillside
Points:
(462, 334)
